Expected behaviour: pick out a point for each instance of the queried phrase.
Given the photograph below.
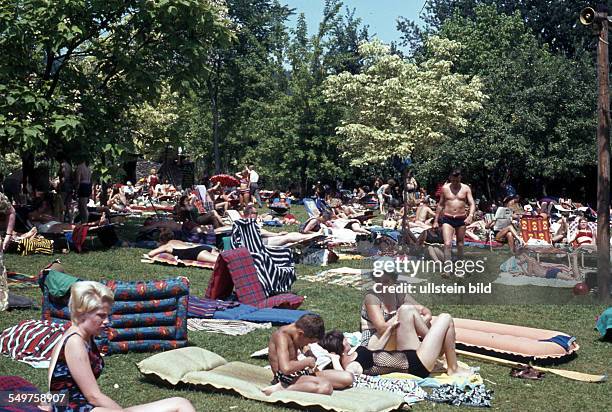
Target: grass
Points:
(340, 307)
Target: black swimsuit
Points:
(191, 253)
(381, 362)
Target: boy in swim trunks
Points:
(451, 214)
(301, 375)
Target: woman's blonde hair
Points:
(87, 296)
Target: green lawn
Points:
(340, 308)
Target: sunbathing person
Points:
(184, 250)
(412, 355)
(315, 224)
(76, 363)
(352, 224)
(301, 375)
(379, 311)
(583, 236)
(531, 267)
(278, 238)
(424, 215)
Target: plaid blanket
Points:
(206, 308)
(235, 269)
(32, 341)
(16, 384)
(20, 280)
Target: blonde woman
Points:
(76, 363)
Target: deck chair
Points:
(311, 207)
(275, 268)
(233, 215)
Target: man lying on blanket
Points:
(291, 373)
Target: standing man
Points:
(65, 186)
(254, 184)
(83, 182)
(451, 214)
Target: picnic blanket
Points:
(197, 366)
(32, 341)
(169, 259)
(226, 327)
(37, 244)
(274, 265)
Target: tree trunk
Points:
(213, 95)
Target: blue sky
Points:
(380, 15)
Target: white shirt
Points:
(253, 176)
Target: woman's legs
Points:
(411, 326)
(289, 238)
(175, 404)
(440, 339)
(356, 227)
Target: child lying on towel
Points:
(292, 373)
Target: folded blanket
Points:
(206, 308)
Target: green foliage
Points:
(538, 121)
(394, 107)
(71, 70)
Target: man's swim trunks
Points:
(289, 379)
(455, 222)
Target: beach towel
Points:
(202, 368)
(535, 227)
(32, 341)
(35, 245)
(274, 265)
(235, 270)
(512, 279)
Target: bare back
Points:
(280, 346)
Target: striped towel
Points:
(226, 327)
(275, 268)
(34, 245)
(32, 341)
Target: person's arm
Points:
(77, 360)
(10, 228)
(289, 366)
(335, 361)
(309, 226)
(439, 208)
(375, 314)
(472, 204)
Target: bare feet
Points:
(269, 390)
(460, 371)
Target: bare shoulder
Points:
(465, 187)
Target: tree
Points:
(538, 121)
(552, 22)
(71, 70)
(395, 107)
(295, 130)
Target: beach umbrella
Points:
(225, 180)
